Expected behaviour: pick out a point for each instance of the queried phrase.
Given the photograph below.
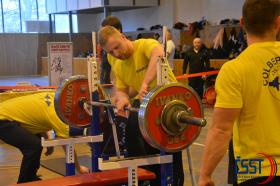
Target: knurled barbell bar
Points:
(179, 118)
(170, 116)
(184, 117)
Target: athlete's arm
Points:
(47, 135)
(151, 71)
(217, 141)
(122, 101)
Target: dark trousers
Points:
(197, 84)
(137, 146)
(232, 177)
(29, 145)
(256, 181)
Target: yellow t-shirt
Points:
(35, 113)
(251, 82)
(131, 72)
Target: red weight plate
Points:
(67, 101)
(150, 117)
(210, 95)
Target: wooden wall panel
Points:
(79, 66)
(217, 63)
(18, 54)
(178, 67)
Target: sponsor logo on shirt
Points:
(48, 100)
(271, 74)
(141, 69)
(252, 168)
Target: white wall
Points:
(18, 53)
(212, 10)
(220, 9)
(132, 19)
(147, 17)
(188, 10)
(89, 22)
(169, 12)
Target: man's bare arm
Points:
(47, 135)
(151, 71)
(121, 101)
(217, 142)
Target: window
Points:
(11, 16)
(28, 13)
(32, 16)
(62, 23)
(1, 24)
(75, 23)
(42, 10)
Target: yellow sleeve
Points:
(148, 46)
(228, 88)
(62, 132)
(117, 82)
(61, 129)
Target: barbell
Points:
(170, 116)
(181, 117)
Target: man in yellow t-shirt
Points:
(22, 120)
(248, 102)
(134, 66)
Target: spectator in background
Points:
(198, 61)
(105, 66)
(170, 49)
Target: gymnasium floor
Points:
(10, 157)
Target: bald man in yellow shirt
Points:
(134, 66)
(22, 120)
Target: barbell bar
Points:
(182, 117)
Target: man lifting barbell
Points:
(163, 116)
(21, 119)
(134, 66)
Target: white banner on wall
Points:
(60, 61)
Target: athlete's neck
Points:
(257, 39)
(130, 47)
